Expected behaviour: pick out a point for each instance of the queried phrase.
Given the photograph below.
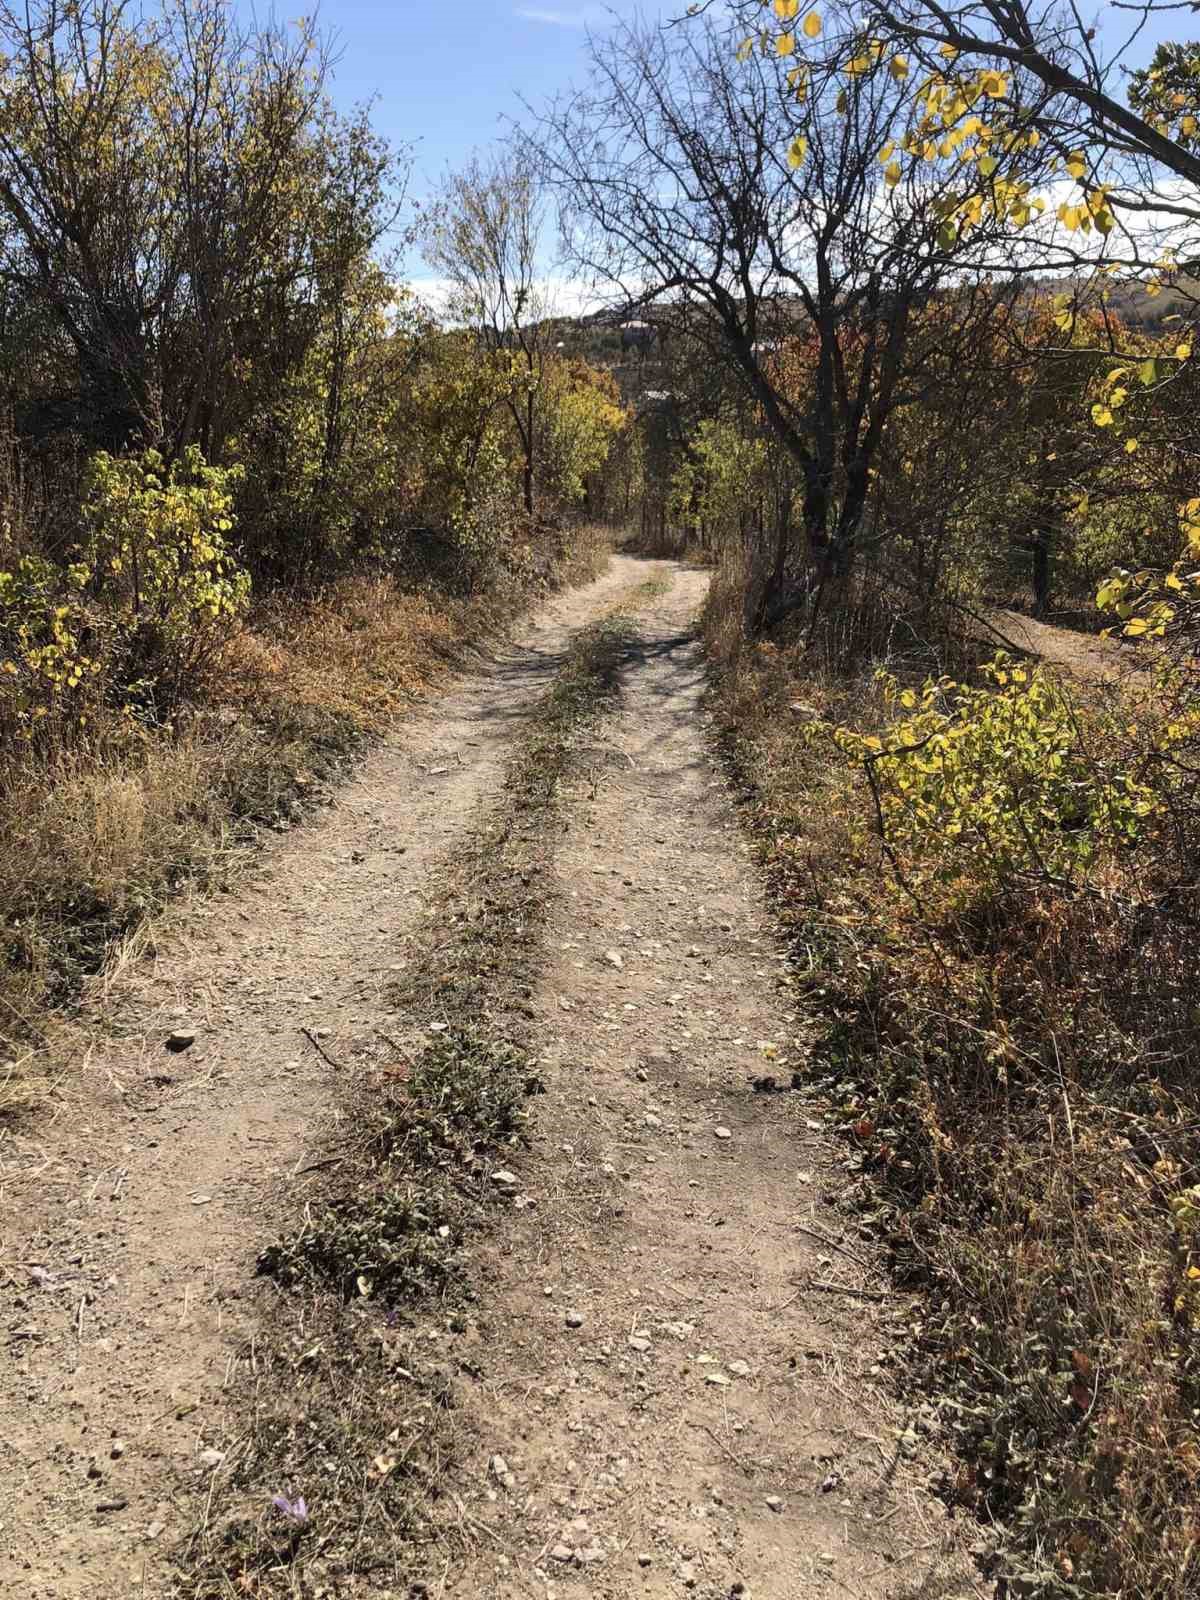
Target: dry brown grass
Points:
(1014, 1075)
(96, 835)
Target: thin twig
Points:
(720, 1443)
(823, 1238)
(321, 1051)
(844, 1288)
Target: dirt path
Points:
(1085, 655)
(669, 1404)
(676, 1370)
(129, 1226)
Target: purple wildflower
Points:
(296, 1509)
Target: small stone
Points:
(589, 1554)
(644, 1559)
(740, 1369)
(722, 1133)
(641, 1075)
(574, 1319)
(180, 1039)
(614, 958)
(562, 1552)
(717, 1378)
(500, 1467)
(211, 1458)
(504, 1179)
(638, 1342)
(118, 1504)
(94, 1469)
(155, 1528)
(774, 1503)
(651, 1120)
(117, 1449)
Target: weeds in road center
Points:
(349, 1390)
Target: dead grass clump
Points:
(1012, 1067)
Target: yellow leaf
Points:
(785, 43)
(1182, 351)
(1076, 165)
(785, 10)
(812, 25)
(1130, 446)
(885, 154)
(898, 67)
(1101, 415)
(891, 174)
(797, 151)
(1187, 125)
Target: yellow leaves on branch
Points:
(812, 25)
(785, 44)
(785, 10)
(1093, 211)
(797, 151)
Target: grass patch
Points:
(347, 1410)
(100, 836)
(1010, 1061)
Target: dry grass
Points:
(1014, 1075)
(96, 836)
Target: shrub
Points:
(43, 659)
(997, 777)
(156, 557)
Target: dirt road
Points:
(681, 1377)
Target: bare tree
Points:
(747, 204)
(485, 236)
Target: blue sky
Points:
(445, 76)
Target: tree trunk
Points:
(1040, 571)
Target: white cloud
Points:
(556, 296)
(556, 19)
